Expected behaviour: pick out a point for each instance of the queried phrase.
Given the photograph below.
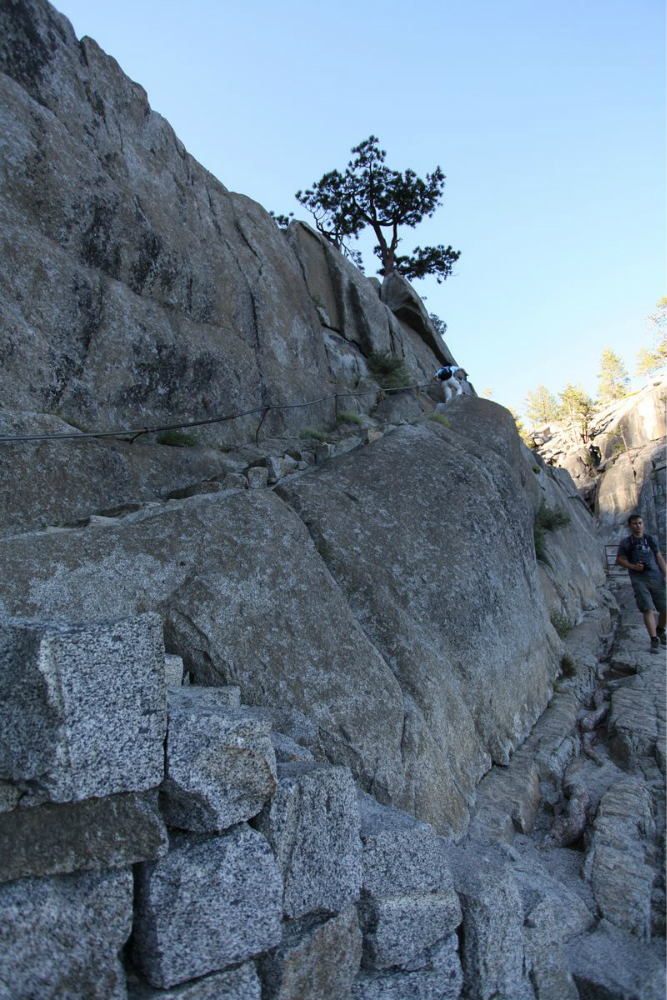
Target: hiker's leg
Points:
(644, 601)
(649, 621)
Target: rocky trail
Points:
(577, 819)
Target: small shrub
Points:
(567, 665)
(618, 448)
(551, 518)
(561, 623)
(350, 417)
(538, 538)
(310, 433)
(537, 470)
(439, 418)
(389, 370)
(177, 439)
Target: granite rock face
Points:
(493, 953)
(208, 904)
(312, 825)
(54, 838)
(83, 707)
(241, 983)
(173, 297)
(220, 769)
(457, 709)
(408, 902)
(434, 975)
(415, 709)
(316, 958)
(246, 600)
(61, 936)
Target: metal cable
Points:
(136, 432)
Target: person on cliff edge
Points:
(640, 554)
(451, 386)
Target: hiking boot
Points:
(662, 636)
(655, 644)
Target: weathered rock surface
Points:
(316, 959)
(220, 769)
(61, 936)
(174, 298)
(196, 699)
(447, 482)
(95, 834)
(617, 966)
(82, 707)
(206, 905)
(64, 481)
(493, 942)
(312, 825)
(401, 298)
(241, 983)
(622, 467)
(615, 861)
(434, 975)
(408, 900)
(220, 572)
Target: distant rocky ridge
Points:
(365, 584)
(622, 467)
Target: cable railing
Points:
(135, 432)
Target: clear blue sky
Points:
(547, 117)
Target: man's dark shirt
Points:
(641, 550)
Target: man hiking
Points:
(450, 384)
(640, 554)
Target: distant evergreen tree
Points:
(576, 409)
(650, 361)
(613, 377)
(541, 406)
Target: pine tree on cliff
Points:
(369, 193)
(541, 406)
(613, 377)
(651, 361)
(576, 409)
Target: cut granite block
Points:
(241, 983)
(82, 707)
(316, 958)
(434, 975)
(545, 960)
(220, 768)
(408, 900)
(398, 928)
(55, 838)
(173, 670)
(208, 904)
(312, 825)
(61, 936)
(493, 945)
(286, 750)
(194, 697)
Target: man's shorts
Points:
(650, 593)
